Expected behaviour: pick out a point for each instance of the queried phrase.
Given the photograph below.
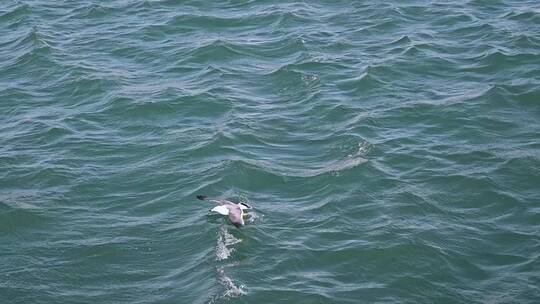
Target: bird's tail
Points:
(202, 197)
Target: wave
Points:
(31, 48)
(16, 15)
(367, 81)
(529, 16)
(279, 169)
(92, 11)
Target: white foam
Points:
(224, 243)
(231, 289)
(253, 217)
(224, 248)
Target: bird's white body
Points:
(235, 211)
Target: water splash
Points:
(254, 217)
(224, 243)
(232, 290)
(224, 249)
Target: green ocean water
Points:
(391, 151)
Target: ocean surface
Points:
(391, 150)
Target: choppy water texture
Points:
(391, 150)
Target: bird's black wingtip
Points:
(201, 197)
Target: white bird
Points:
(234, 211)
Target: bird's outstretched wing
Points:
(221, 209)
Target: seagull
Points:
(226, 207)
